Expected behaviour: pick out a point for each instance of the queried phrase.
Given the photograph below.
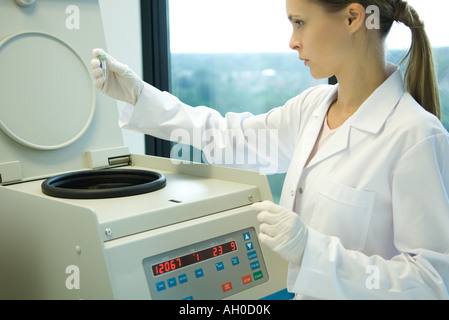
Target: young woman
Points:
(364, 211)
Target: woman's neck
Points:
(355, 84)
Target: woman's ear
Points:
(355, 15)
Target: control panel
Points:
(212, 269)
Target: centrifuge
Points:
(81, 217)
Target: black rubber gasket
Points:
(103, 184)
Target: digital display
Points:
(193, 258)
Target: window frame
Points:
(156, 59)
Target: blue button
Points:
(246, 236)
(249, 246)
(252, 255)
(171, 282)
(219, 266)
(235, 261)
(199, 273)
(160, 286)
(188, 298)
(254, 265)
(182, 278)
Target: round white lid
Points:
(40, 107)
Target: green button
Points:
(257, 275)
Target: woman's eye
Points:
(298, 23)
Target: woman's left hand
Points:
(282, 230)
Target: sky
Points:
(262, 26)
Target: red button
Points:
(247, 279)
(226, 286)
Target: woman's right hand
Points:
(120, 82)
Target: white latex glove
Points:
(120, 83)
(282, 230)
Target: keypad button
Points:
(247, 279)
(226, 286)
(160, 286)
(199, 273)
(254, 265)
(171, 282)
(219, 266)
(252, 255)
(182, 278)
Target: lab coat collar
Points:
(321, 111)
(374, 112)
(370, 117)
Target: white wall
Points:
(121, 21)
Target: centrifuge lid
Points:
(52, 120)
(44, 112)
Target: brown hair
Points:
(420, 75)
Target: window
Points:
(220, 47)
(234, 56)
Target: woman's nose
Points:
(295, 44)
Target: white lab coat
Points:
(375, 197)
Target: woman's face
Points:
(320, 38)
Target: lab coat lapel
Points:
(311, 133)
(338, 143)
(303, 150)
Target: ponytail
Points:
(420, 75)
